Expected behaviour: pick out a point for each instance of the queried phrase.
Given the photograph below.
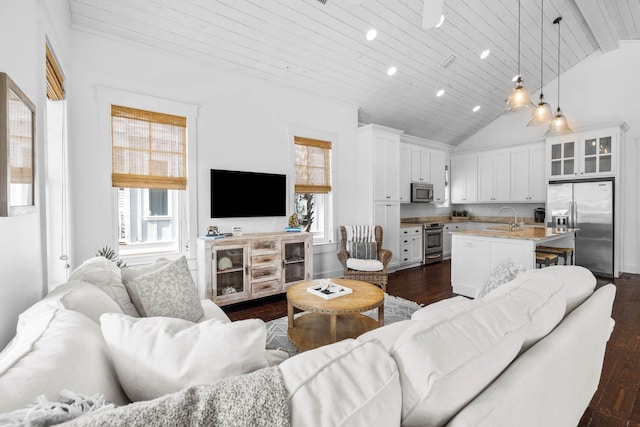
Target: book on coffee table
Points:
(330, 291)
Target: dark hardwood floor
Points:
(617, 401)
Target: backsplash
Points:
(414, 210)
(421, 210)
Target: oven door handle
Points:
(433, 256)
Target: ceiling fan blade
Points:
(431, 13)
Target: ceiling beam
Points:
(597, 17)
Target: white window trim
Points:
(305, 132)
(109, 96)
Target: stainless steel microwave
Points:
(421, 192)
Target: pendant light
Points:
(559, 124)
(542, 114)
(519, 99)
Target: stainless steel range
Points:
(433, 242)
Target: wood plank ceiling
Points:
(322, 49)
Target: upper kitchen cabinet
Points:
(428, 166)
(588, 154)
(464, 178)
(528, 183)
(405, 173)
(494, 176)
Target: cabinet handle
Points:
(246, 269)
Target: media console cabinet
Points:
(241, 268)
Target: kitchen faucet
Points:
(515, 225)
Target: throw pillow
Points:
(168, 291)
(504, 272)
(159, 355)
(106, 275)
(363, 250)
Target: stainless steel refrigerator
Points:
(587, 206)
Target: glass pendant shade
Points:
(559, 125)
(519, 99)
(542, 114)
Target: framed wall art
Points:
(17, 136)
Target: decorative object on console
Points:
(17, 136)
(542, 114)
(519, 99)
(559, 124)
(236, 230)
(293, 221)
(212, 231)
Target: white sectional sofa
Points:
(530, 353)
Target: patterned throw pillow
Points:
(168, 291)
(504, 272)
(362, 250)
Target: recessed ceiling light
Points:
(391, 71)
(440, 93)
(476, 108)
(484, 54)
(372, 34)
(439, 24)
(515, 77)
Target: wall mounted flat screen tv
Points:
(237, 194)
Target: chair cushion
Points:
(154, 356)
(362, 250)
(364, 264)
(368, 394)
(106, 275)
(168, 291)
(57, 350)
(444, 365)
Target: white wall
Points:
(601, 90)
(243, 124)
(21, 243)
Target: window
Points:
(313, 186)
(149, 163)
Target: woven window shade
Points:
(313, 165)
(55, 80)
(148, 149)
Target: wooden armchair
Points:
(368, 270)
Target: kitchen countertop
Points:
(412, 222)
(528, 233)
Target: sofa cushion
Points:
(158, 355)
(368, 394)
(168, 291)
(77, 295)
(442, 309)
(54, 351)
(388, 334)
(542, 297)
(106, 275)
(579, 283)
(504, 272)
(444, 365)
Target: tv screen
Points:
(247, 194)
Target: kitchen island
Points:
(475, 253)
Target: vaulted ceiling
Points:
(322, 49)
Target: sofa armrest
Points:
(212, 311)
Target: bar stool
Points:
(544, 259)
(563, 252)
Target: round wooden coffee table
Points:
(329, 321)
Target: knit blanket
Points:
(258, 399)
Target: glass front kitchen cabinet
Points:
(591, 154)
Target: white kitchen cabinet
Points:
(588, 154)
(494, 176)
(420, 164)
(405, 173)
(386, 158)
(438, 163)
(528, 182)
(410, 246)
(464, 178)
(387, 215)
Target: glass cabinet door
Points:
(597, 155)
(229, 269)
(563, 158)
(294, 262)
